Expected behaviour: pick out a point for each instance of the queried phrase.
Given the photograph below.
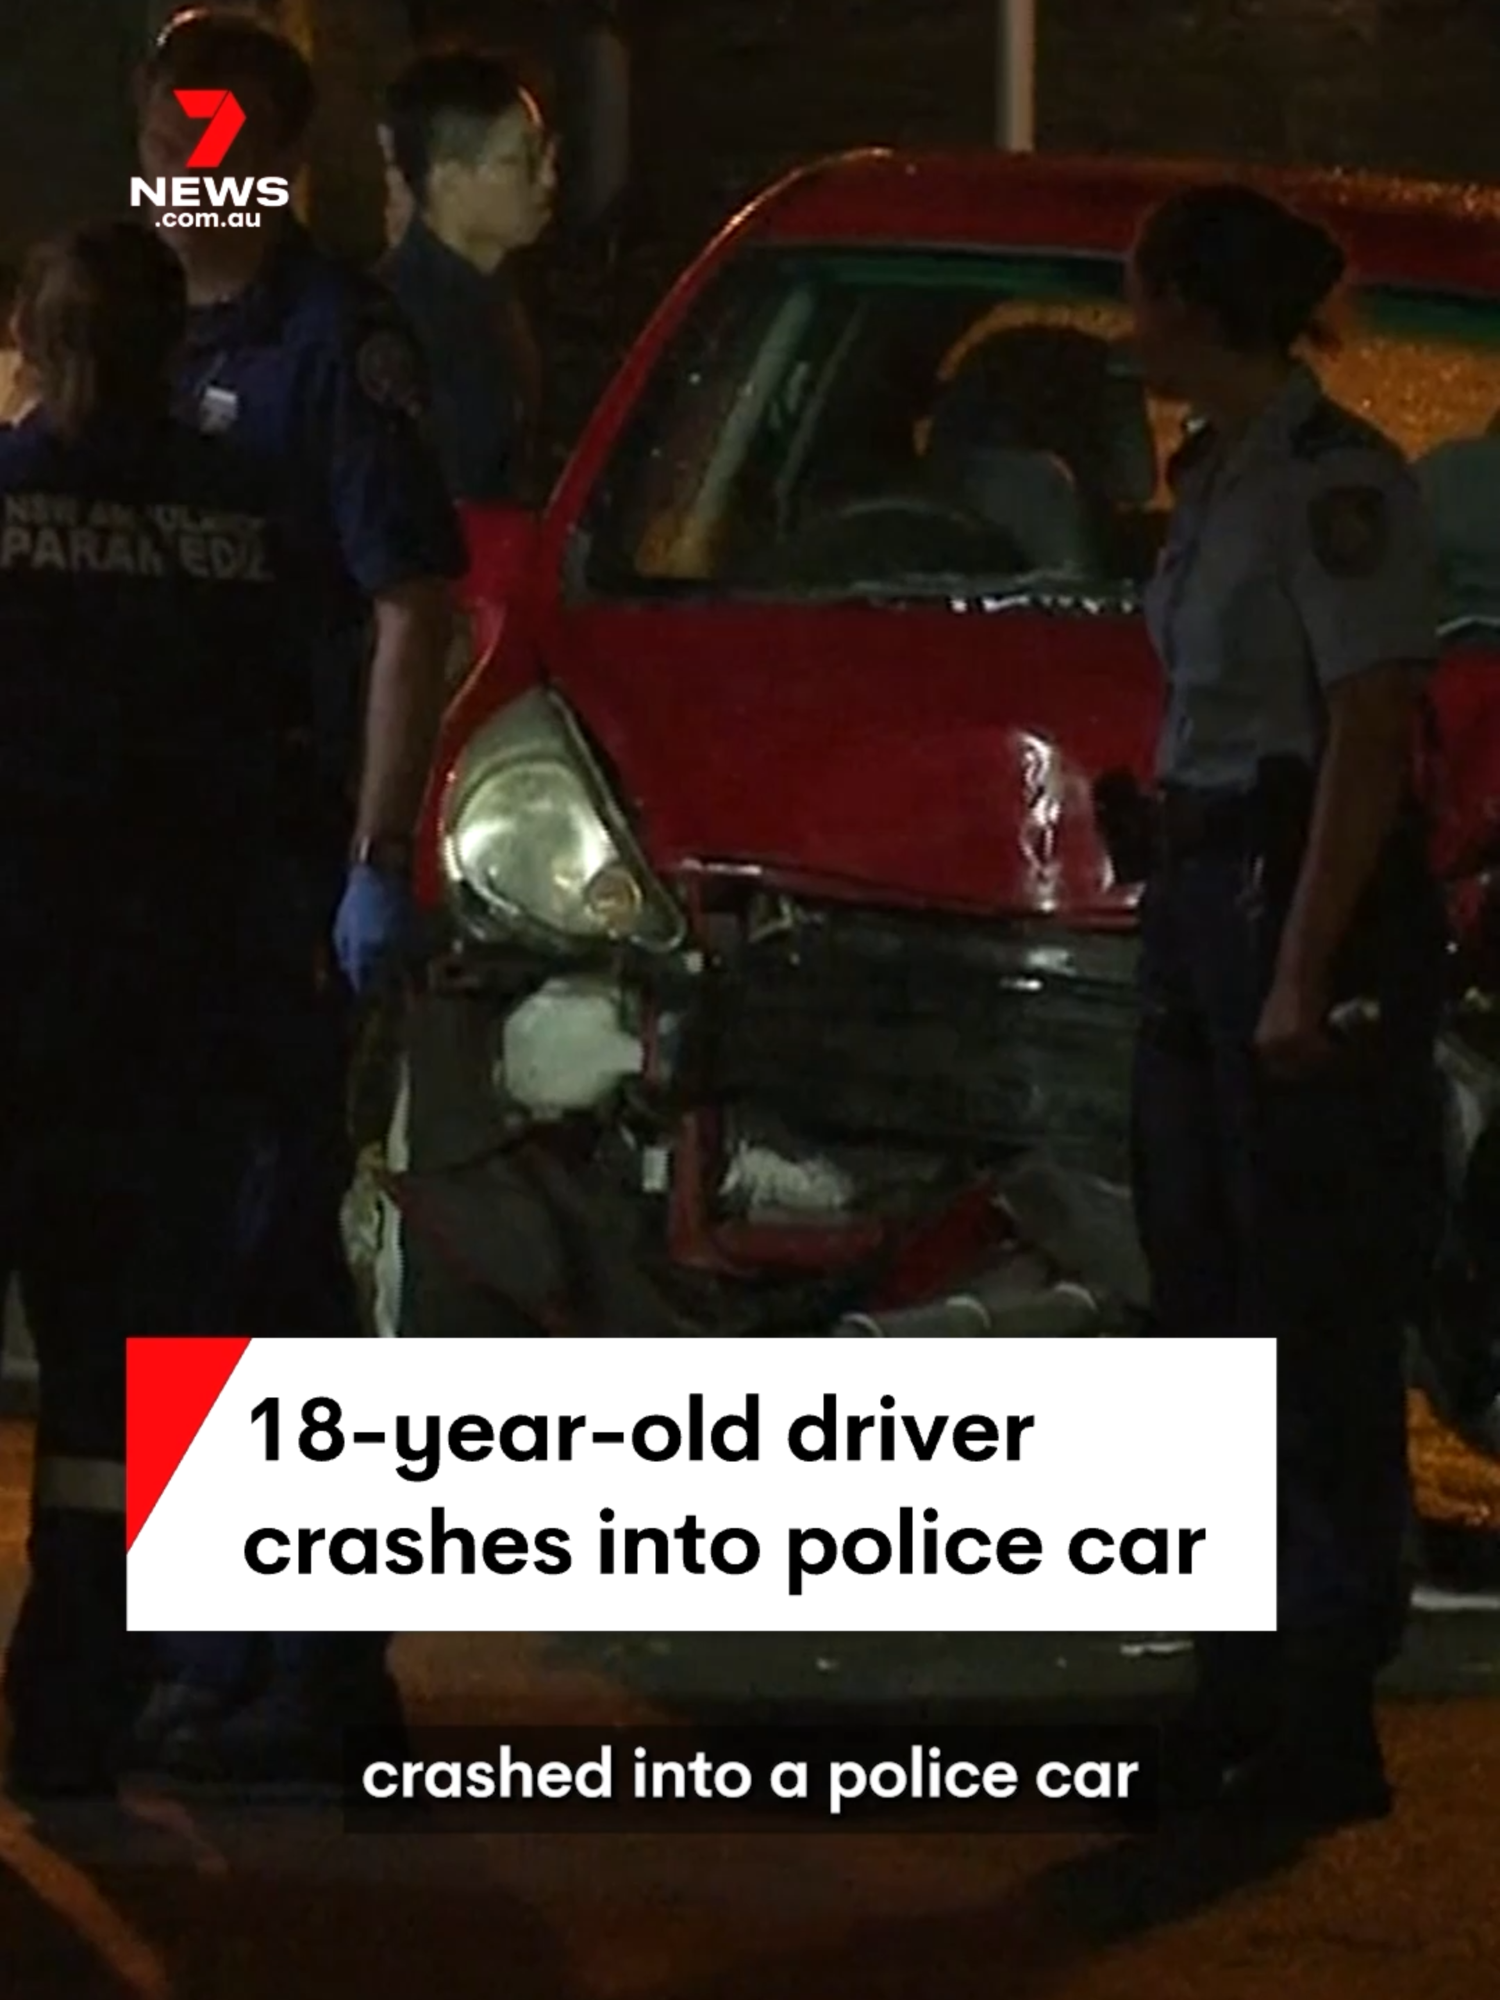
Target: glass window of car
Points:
(958, 424)
(1425, 367)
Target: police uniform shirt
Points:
(1296, 557)
(481, 362)
(313, 375)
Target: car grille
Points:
(929, 1034)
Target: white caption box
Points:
(1072, 1486)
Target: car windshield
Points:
(844, 424)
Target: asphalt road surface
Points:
(177, 1897)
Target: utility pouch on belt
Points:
(1126, 817)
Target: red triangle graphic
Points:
(170, 1387)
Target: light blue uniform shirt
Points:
(1296, 557)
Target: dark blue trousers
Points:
(292, 1280)
(1305, 1211)
(116, 1217)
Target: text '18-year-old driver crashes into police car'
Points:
(784, 981)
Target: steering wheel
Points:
(906, 504)
(889, 533)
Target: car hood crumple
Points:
(920, 756)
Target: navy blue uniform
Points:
(314, 380)
(482, 360)
(1302, 1210)
(313, 377)
(140, 907)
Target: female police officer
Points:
(140, 619)
(1281, 1164)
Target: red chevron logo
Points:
(170, 1387)
(225, 123)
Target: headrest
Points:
(1057, 390)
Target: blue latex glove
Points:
(374, 931)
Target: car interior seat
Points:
(1043, 433)
(1460, 483)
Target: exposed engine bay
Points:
(821, 1120)
(814, 1119)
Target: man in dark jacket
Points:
(469, 141)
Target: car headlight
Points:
(533, 845)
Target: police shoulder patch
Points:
(388, 368)
(1350, 530)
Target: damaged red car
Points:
(783, 982)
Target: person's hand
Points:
(374, 931)
(1291, 1037)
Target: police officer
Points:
(469, 143)
(309, 373)
(1292, 947)
(139, 908)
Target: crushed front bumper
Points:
(811, 1129)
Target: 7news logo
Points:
(190, 199)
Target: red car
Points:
(784, 979)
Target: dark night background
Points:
(729, 92)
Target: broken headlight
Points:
(533, 846)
